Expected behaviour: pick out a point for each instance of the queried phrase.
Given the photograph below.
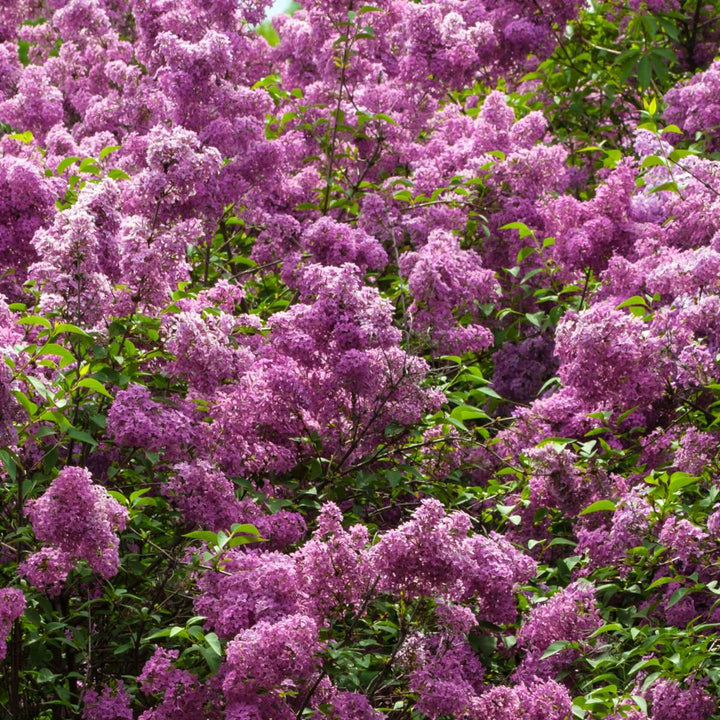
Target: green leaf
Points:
(555, 648)
(138, 494)
(680, 480)
(95, 385)
(535, 319)
(246, 528)
(523, 230)
(634, 300)
(39, 386)
(66, 357)
(117, 174)
(661, 581)
(118, 496)
(467, 412)
(157, 634)
(23, 51)
(562, 541)
(679, 154)
(30, 407)
(678, 595)
(560, 441)
(107, 150)
(598, 506)
(89, 165)
(206, 536)
(24, 137)
(653, 161)
(214, 642)
(63, 165)
(489, 392)
(386, 118)
(242, 540)
(525, 252)
(669, 186)
(34, 320)
(82, 436)
(9, 463)
(641, 702)
(68, 328)
(611, 627)
(613, 157)
(628, 64)
(459, 424)
(644, 75)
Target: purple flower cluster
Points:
(447, 282)
(570, 615)
(669, 700)
(80, 521)
(694, 107)
(330, 367)
(27, 204)
(12, 606)
(272, 606)
(109, 704)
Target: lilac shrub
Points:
(359, 363)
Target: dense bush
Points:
(361, 363)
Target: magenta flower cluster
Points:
(77, 520)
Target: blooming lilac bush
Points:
(360, 362)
